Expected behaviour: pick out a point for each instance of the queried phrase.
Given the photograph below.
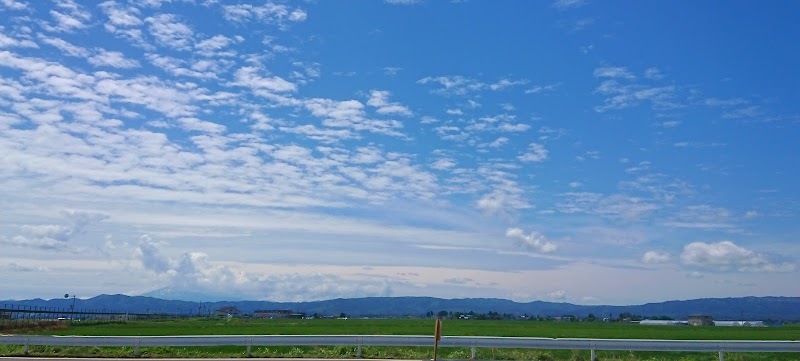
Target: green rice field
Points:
(406, 327)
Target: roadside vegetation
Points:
(401, 327)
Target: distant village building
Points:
(272, 314)
(701, 320)
(740, 323)
(227, 311)
(663, 322)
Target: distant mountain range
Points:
(740, 308)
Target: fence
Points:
(472, 342)
(15, 315)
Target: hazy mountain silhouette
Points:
(739, 308)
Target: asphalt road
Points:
(374, 340)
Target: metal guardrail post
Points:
(250, 349)
(721, 356)
(25, 349)
(136, 351)
(358, 351)
(473, 353)
(593, 356)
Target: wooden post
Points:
(437, 335)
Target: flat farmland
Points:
(425, 327)
(408, 327)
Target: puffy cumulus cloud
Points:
(536, 153)
(196, 272)
(55, 236)
(656, 257)
(728, 256)
(533, 241)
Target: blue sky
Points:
(571, 151)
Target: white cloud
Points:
(213, 46)
(701, 216)
(453, 85)
(505, 196)
(178, 67)
(327, 136)
(248, 77)
(506, 83)
(112, 59)
(65, 47)
(119, 15)
(613, 72)
(269, 13)
(534, 241)
(72, 17)
(536, 153)
(380, 100)
(391, 70)
(728, 256)
(443, 164)
(557, 295)
(622, 96)
(14, 4)
(350, 114)
(615, 206)
(55, 236)
(669, 124)
(536, 89)
(568, 4)
(656, 257)
(170, 32)
(9, 42)
(499, 142)
(194, 124)
(653, 74)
